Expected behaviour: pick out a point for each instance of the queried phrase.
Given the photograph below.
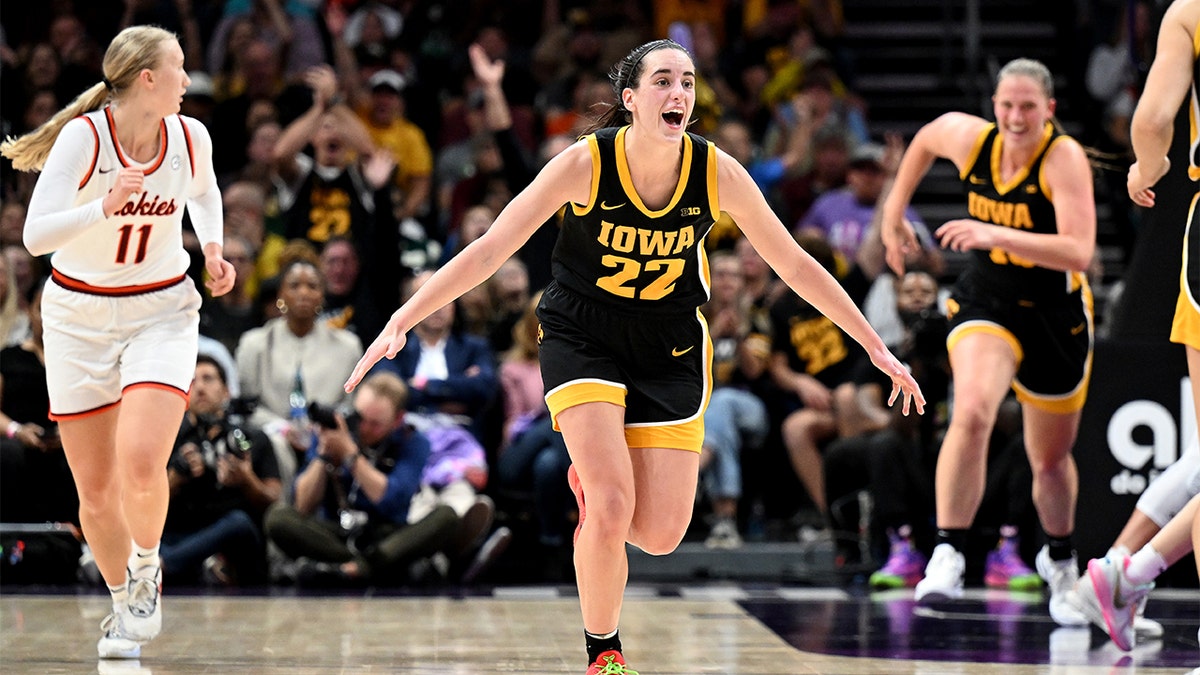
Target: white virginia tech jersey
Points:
(142, 243)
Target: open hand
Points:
(389, 343)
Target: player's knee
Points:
(98, 498)
(1056, 463)
(610, 511)
(974, 420)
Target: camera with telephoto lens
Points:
(237, 411)
(326, 417)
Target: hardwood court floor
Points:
(522, 630)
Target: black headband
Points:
(650, 47)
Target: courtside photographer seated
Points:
(223, 475)
(348, 523)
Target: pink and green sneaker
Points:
(1005, 569)
(905, 565)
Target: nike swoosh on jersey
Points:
(678, 352)
(606, 207)
(976, 180)
(105, 170)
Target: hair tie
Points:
(107, 85)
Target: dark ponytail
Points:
(625, 74)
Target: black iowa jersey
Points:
(617, 251)
(1022, 203)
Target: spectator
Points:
(350, 520)
(816, 364)
(12, 223)
(227, 317)
(350, 301)
(508, 291)
(289, 26)
(451, 379)
(334, 194)
(246, 205)
(826, 171)
(250, 90)
(382, 111)
(843, 216)
(37, 483)
(533, 456)
(736, 417)
(766, 168)
(223, 475)
(14, 320)
(295, 347)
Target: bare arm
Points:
(296, 135)
(950, 136)
(1167, 84)
(566, 178)
(740, 197)
(490, 75)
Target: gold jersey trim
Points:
(627, 180)
(594, 148)
(1022, 173)
(1042, 170)
(973, 156)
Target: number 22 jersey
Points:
(617, 251)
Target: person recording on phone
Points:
(223, 474)
(347, 522)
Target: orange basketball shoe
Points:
(609, 663)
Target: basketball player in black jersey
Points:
(625, 354)
(1021, 313)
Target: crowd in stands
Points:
(362, 143)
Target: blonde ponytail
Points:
(28, 153)
(133, 50)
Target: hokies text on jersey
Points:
(147, 206)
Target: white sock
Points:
(120, 596)
(141, 558)
(1118, 552)
(1145, 566)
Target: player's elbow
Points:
(1148, 122)
(1081, 258)
(35, 244)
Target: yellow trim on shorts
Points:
(1063, 404)
(685, 436)
(1185, 326)
(988, 328)
(575, 392)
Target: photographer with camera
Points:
(223, 475)
(348, 523)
